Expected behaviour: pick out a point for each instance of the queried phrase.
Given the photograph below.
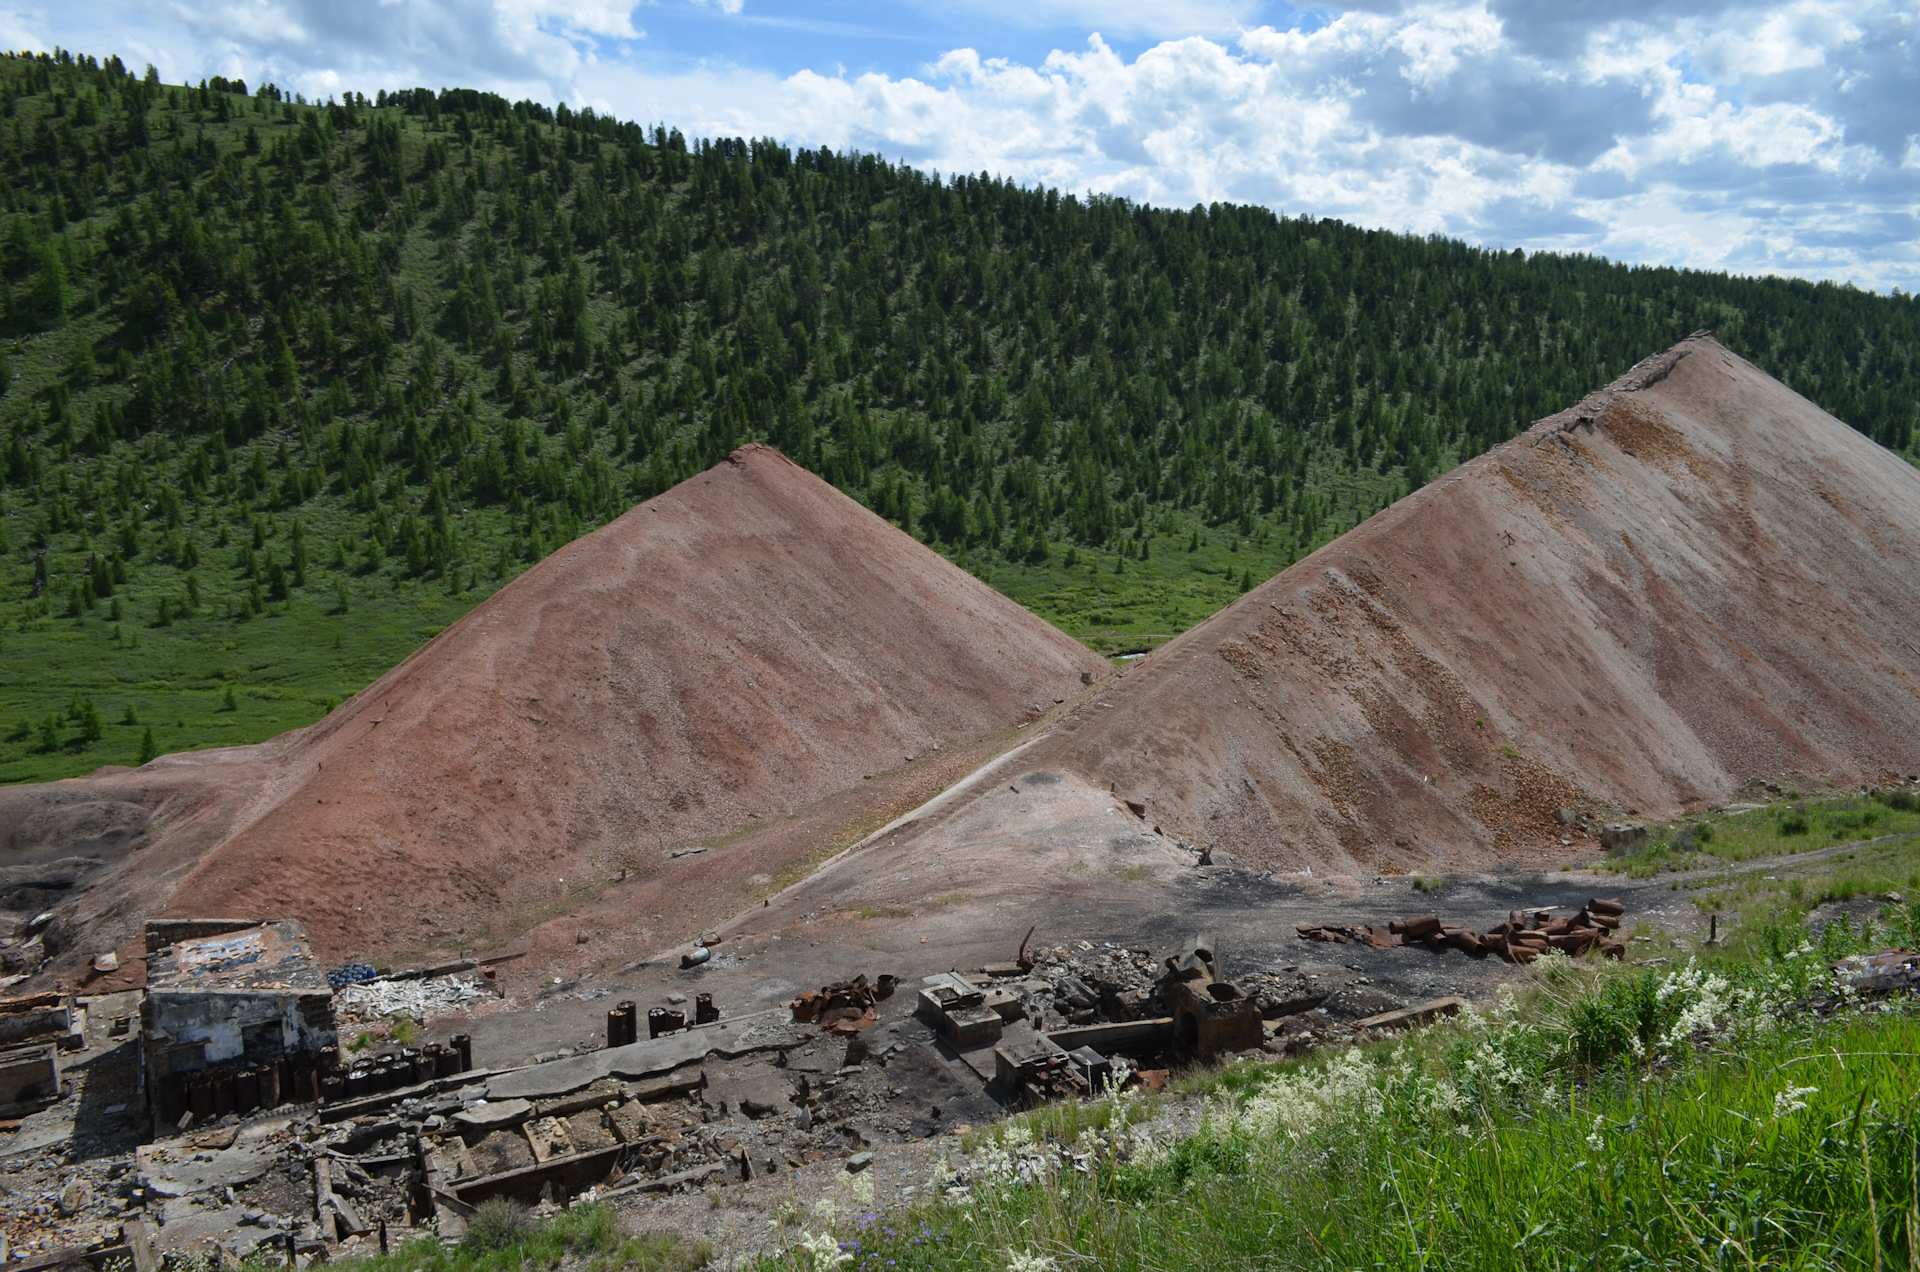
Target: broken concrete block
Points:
(1094, 1069)
(35, 1018)
(1004, 1003)
(492, 1116)
(1418, 1014)
(548, 1138)
(31, 1074)
(1014, 1058)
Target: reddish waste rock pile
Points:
(1692, 581)
(745, 643)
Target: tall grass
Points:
(506, 1238)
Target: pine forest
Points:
(287, 387)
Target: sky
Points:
(1774, 137)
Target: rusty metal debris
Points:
(846, 1007)
(1359, 934)
(1887, 970)
(1525, 936)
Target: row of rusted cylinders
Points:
(623, 1020)
(305, 1077)
(410, 1066)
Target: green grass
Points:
(505, 1238)
(1117, 601)
(1753, 904)
(1609, 1118)
(1792, 827)
(287, 667)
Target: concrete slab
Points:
(494, 1115)
(1418, 1014)
(1127, 1035)
(650, 1057)
(49, 1128)
(178, 1169)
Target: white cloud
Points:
(610, 18)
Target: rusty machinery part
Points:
(846, 1007)
(1525, 936)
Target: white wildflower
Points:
(1294, 1104)
(1789, 1101)
(1596, 1141)
(1012, 1158)
(1030, 1261)
(822, 1251)
(941, 1174)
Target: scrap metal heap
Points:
(845, 1008)
(1525, 936)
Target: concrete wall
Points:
(192, 1030)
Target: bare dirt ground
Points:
(744, 646)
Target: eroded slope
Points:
(1692, 581)
(746, 643)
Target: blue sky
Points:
(1773, 137)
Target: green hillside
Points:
(289, 387)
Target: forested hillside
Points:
(289, 387)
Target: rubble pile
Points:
(322, 1149)
(1093, 983)
(1525, 936)
(729, 1101)
(25, 952)
(373, 1003)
